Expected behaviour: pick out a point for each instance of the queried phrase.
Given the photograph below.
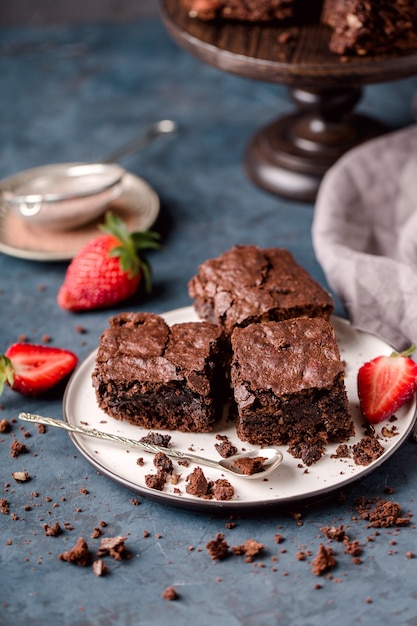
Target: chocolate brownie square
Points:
(248, 284)
(288, 383)
(160, 377)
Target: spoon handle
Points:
(163, 127)
(98, 434)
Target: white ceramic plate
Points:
(290, 483)
(137, 205)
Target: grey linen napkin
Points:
(365, 235)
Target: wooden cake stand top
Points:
(290, 156)
(286, 53)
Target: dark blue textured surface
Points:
(76, 93)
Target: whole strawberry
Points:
(385, 384)
(108, 269)
(32, 369)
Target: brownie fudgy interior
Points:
(160, 377)
(288, 383)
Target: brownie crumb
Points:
(52, 531)
(163, 463)
(218, 548)
(17, 448)
(389, 432)
(114, 547)
(4, 506)
(297, 517)
(5, 426)
(170, 593)
(79, 554)
(198, 484)
(157, 439)
(381, 513)
(342, 452)
(334, 533)
(249, 465)
(308, 451)
(99, 567)
(250, 549)
(225, 448)
(156, 481)
(324, 560)
(368, 449)
(222, 490)
(353, 548)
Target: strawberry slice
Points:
(33, 369)
(385, 384)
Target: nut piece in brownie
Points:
(250, 10)
(248, 284)
(160, 377)
(363, 28)
(288, 383)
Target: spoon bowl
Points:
(271, 457)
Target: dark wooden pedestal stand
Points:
(290, 156)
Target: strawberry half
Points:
(385, 384)
(32, 369)
(108, 269)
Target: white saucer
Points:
(291, 483)
(138, 205)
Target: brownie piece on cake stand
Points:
(289, 156)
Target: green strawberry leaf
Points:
(6, 372)
(129, 252)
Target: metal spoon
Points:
(68, 195)
(273, 456)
